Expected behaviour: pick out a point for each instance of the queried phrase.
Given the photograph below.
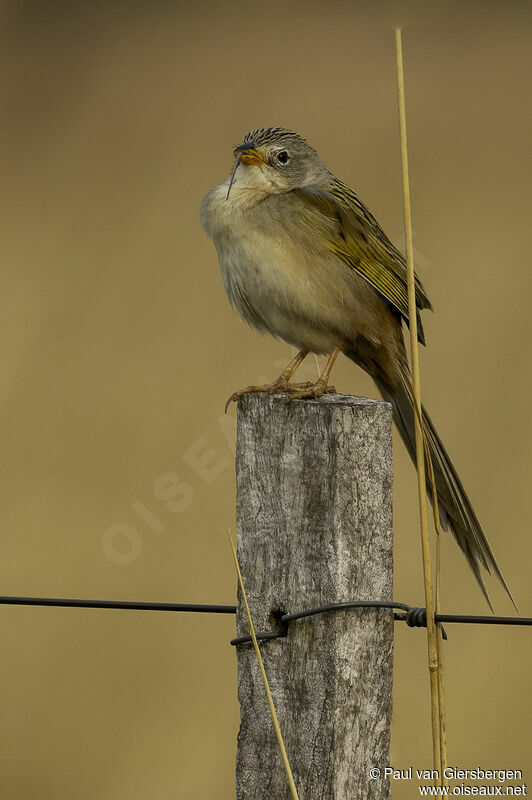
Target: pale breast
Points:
(279, 273)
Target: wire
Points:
(413, 616)
(115, 605)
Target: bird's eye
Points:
(283, 157)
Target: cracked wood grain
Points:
(314, 526)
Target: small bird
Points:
(303, 259)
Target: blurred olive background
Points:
(119, 350)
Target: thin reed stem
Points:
(432, 634)
(276, 726)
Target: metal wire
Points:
(413, 616)
(62, 602)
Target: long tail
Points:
(455, 509)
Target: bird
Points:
(303, 259)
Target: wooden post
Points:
(314, 526)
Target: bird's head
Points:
(276, 160)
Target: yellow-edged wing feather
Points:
(362, 244)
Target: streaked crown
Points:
(273, 136)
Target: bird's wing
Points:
(361, 243)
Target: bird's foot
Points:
(277, 387)
(314, 390)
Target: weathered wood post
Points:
(314, 526)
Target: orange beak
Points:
(250, 156)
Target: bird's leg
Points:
(280, 385)
(320, 387)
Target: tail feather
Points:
(456, 512)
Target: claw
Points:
(231, 399)
(271, 388)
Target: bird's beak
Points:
(248, 155)
(245, 154)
